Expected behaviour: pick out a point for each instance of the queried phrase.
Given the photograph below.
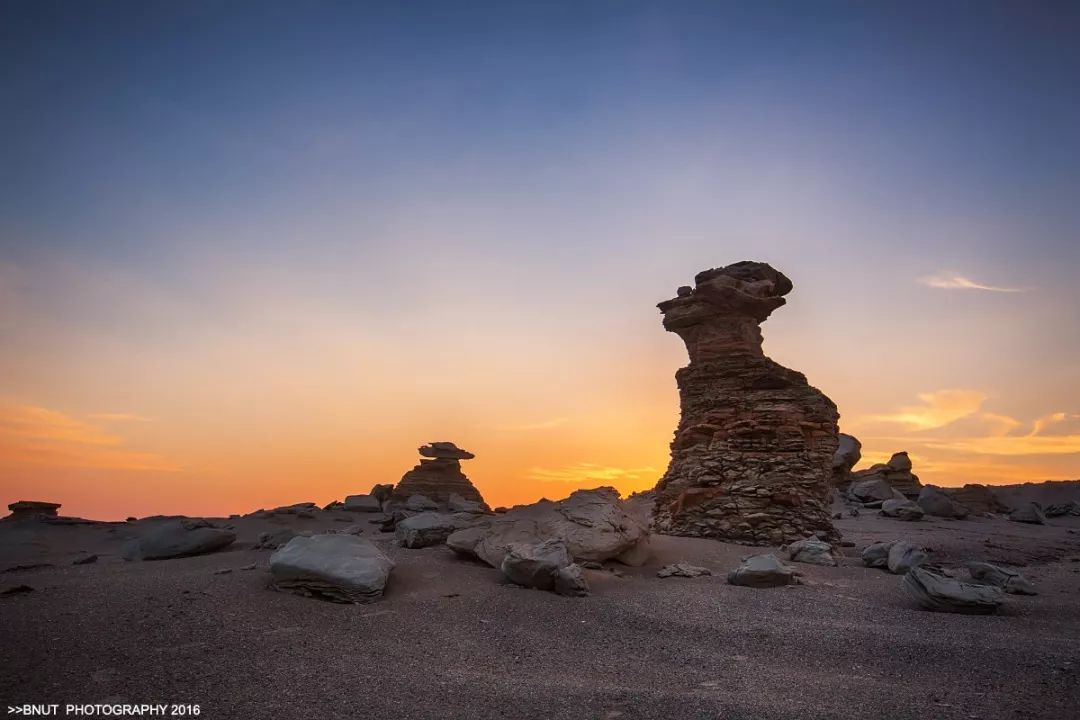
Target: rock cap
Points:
(444, 450)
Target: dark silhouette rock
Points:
(935, 501)
(753, 454)
(847, 456)
(897, 473)
(32, 510)
(1031, 513)
(978, 498)
(439, 476)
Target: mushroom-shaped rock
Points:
(940, 593)
(438, 476)
(178, 537)
(340, 568)
(445, 450)
(1010, 581)
(32, 510)
(752, 457)
(762, 571)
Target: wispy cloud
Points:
(118, 417)
(542, 425)
(938, 409)
(32, 435)
(591, 472)
(955, 281)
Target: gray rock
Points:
(847, 455)
(936, 502)
(303, 510)
(425, 529)
(762, 571)
(340, 568)
(419, 503)
(903, 556)
(595, 525)
(683, 570)
(872, 490)
(85, 560)
(571, 581)
(901, 509)
(363, 503)
(937, 592)
(811, 551)
(876, 555)
(1066, 508)
(175, 538)
(354, 529)
(535, 565)
(276, 538)
(458, 504)
(1029, 513)
(1010, 581)
(382, 492)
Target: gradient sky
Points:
(256, 253)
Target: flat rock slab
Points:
(178, 538)
(340, 568)
(940, 593)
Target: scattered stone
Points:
(425, 529)
(752, 457)
(901, 509)
(249, 567)
(339, 568)
(762, 571)
(335, 505)
(26, 566)
(458, 504)
(438, 476)
(363, 503)
(595, 525)
(420, 503)
(15, 589)
(276, 538)
(535, 565)
(940, 593)
(683, 569)
(1066, 508)
(1031, 512)
(32, 510)
(223, 571)
(571, 581)
(811, 551)
(178, 538)
(1008, 580)
(85, 559)
(903, 556)
(847, 455)
(305, 510)
(934, 501)
(896, 474)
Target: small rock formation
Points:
(896, 556)
(871, 492)
(683, 569)
(595, 525)
(847, 456)
(935, 501)
(977, 498)
(752, 457)
(546, 565)
(1031, 513)
(438, 476)
(1008, 580)
(277, 538)
(897, 473)
(32, 510)
(940, 593)
(339, 568)
(362, 503)
(425, 529)
(811, 551)
(180, 537)
(901, 509)
(763, 571)
(382, 492)
(1059, 509)
(876, 555)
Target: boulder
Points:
(420, 503)
(425, 529)
(32, 510)
(683, 570)
(811, 551)
(847, 455)
(901, 509)
(1066, 508)
(872, 490)
(340, 568)
(876, 555)
(896, 473)
(903, 556)
(1010, 581)
(535, 565)
(1031, 513)
(934, 501)
(977, 498)
(762, 571)
(382, 492)
(276, 538)
(571, 581)
(180, 537)
(594, 524)
(458, 504)
(940, 593)
(363, 503)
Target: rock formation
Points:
(978, 498)
(753, 454)
(847, 456)
(31, 509)
(438, 476)
(897, 473)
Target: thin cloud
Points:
(542, 425)
(590, 472)
(955, 281)
(938, 409)
(118, 417)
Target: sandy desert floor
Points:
(450, 639)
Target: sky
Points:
(256, 253)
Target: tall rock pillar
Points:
(752, 457)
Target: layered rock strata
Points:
(438, 476)
(752, 458)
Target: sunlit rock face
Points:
(752, 457)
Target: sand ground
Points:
(450, 639)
